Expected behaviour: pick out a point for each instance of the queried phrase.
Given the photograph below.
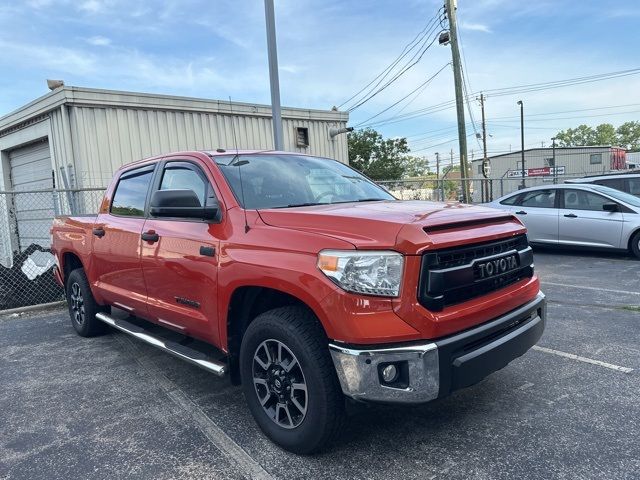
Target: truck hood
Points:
(406, 226)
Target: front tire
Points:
(289, 380)
(82, 306)
(635, 245)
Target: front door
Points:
(180, 262)
(584, 222)
(116, 243)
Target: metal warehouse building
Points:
(570, 162)
(73, 138)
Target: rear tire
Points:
(82, 306)
(289, 380)
(635, 245)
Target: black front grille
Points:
(454, 275)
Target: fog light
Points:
(389, 373)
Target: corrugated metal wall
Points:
(103, 139)
(575, 160)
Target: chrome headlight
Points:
(368, 272)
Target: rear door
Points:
(537, 209)
(180, 262)
(584, 222)
(116, 243)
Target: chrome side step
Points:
(185, 353)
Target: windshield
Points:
(280, 181)
(618, 195)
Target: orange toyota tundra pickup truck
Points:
(306, 283)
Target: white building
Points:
(540, 166)
(77, 137)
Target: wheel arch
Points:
(246, 303)
(70, 261)
(631, 237)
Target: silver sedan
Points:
(581, 215)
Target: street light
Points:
(555, 169)
(522, 138)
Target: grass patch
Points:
(632, 308)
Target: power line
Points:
(574, 118)
(421, 86)
(507, 91)
(413, 61)
(405, 51)
(544, 114)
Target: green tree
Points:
(605, 134)
(626, 135)
(571, 137)
(415, 166)
(629, 135)
(379, 158)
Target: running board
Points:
(185, 353)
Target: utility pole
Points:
(522, 139)
(555, 169)
(485, 160)
(450, 6)
(274, 79)
(438, 176)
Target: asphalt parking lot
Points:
(111, 407)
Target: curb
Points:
(31, 308)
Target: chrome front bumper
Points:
(435, 369)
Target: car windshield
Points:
(281, 181)
(618, 195)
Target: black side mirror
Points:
(610, 207)
(181, 204)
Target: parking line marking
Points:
(583, 359)
(227, 446)
(590, 288)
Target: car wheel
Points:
(635, 245)
(289, 380)
(82, 306)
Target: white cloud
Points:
(99, 41)
(91, 6)
(475, 27)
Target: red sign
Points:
(538, 172)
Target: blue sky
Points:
(328, 50)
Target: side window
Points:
(616, 183)
(183, 178)
(581, 200)
(539, 199)
(511, 200)
(634, 186)
(131, 193)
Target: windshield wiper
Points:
(309, 204)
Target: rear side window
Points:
(539, 199)
(131, 193)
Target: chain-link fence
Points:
(26, 262)
(482, 190)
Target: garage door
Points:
(33, 212)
